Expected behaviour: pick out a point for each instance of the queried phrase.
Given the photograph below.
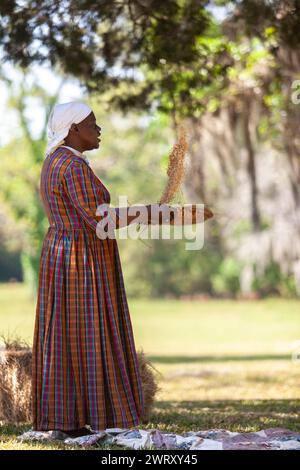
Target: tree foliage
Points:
(146, 53)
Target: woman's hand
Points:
(119, 217)
(154, 214)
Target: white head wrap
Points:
(60, 120)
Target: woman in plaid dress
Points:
(85, 367)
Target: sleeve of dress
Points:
(79, 188)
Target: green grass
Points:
(221, 364)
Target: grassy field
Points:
(220, 364)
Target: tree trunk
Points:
(251, 169)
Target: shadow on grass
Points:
(233, 415)
(216, 358)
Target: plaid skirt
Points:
(85, 366)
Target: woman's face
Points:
(88, 132)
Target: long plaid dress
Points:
(85, 367)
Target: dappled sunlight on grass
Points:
(229, 380)
(234, 415)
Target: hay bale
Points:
(149, 383)
(15, 383)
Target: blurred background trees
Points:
(228, 71)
